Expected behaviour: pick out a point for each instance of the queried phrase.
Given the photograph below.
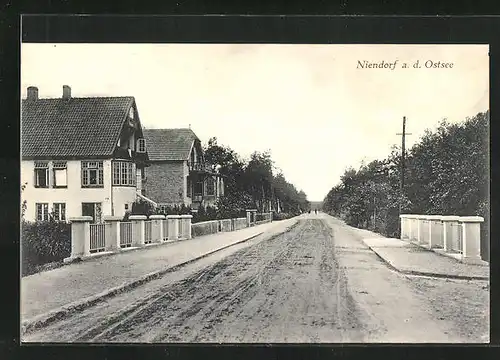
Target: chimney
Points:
(66, 92)
(32, 93)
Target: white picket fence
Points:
(97, 237)
(125, 234)
(114, 234)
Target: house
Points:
(80, 156)
(177, 173)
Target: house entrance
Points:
(94, 210)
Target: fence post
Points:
(112, 232)
(433, 233)
(249, 218)
(80, 237)
(413, 228)
(409, 226)
(186, 226)
(403, 219)
(471, 237)
(420, 229)
(156, 228)
(448, 233)
(254, 216)
(138, 229)
(173, 227)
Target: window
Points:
(141, 145)
(198, 188)
(131, 113)
(59, 211)
(42, 211)
(210, 186)
(92, 174)
(41, 174)
(123, 173)
(93, 210)
(60, 174)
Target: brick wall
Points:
(166, 182)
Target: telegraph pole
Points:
(403, 139)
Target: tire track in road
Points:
(286, 288)
(192, 297)
(239, 278)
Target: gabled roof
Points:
(75, 127)
(169, 144)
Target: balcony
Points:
(199, 167)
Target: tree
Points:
(446, 173)
(252, 183)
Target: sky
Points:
(313, 106)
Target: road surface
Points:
(315, 283)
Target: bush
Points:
(205, 214)
(42, 243)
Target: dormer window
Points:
(131, 113)
(141, 145)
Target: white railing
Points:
(205, 228)
(148, 232)
(125, 234)
(456, 243)
(226, 225)
(239, 223)
(97, 237)
(164, 224)
(453, 234)
(114, 234)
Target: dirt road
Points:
(315, 283)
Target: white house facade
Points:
(80, 156)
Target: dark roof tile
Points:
(77, 127)
(169, 144)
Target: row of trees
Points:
(252, 183)
(447, 172)
(249, 184)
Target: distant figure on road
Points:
(316, 211)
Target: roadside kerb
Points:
(65, 311)
(424, 273)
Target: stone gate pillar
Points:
(138, 229)
(80, 237)
(112, 232)
(471, 237)
(173, 227)
(157, 228)
(449, 225)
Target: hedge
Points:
(43, 242)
